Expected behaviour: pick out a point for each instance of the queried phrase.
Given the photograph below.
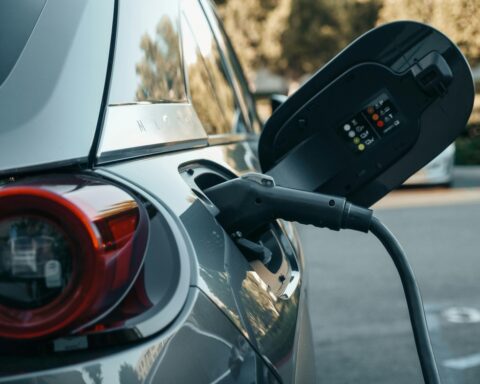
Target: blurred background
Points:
(360, 321)
(282, 42)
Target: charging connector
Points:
(253, 200)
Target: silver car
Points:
(115, 116)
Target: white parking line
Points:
(463, 362)
(462, 315)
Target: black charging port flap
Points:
(373, 116)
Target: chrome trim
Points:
(148, 102)
(131, 153)
(229, 138)
(292, 285)
(143, 129)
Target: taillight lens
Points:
(70, 249)
(35, 261)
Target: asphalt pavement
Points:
(359, 317)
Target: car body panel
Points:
(50, 102)
(25, 15)
(136, 130)
(223, 274)
(204, 348)
(227, 324)
(272, 335)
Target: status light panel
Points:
(367, 127)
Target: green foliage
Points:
(313, 36)
(458, 19)
(467, 150)
(254, 27)
(468, 146)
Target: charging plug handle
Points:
(253, 200)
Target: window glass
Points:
(203, 96)
(147, 65)
(210, 90)
(243, 90)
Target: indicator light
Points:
(351, 134)
(360, 128)
(370, 110)
(356, 140)
(346, 127)
(375, 116)
(380, 123)
(361, 147)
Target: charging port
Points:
(268, 249)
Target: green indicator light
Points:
(356, 140)
(361, 147)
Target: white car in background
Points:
(438, 172)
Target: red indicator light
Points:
(380, 123)
(375, 116)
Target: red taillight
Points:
(70, 248)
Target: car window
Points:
(147, 64)
(232, 61)
(203, 96)
(210, 89)
(244, 88)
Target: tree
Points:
(359, 16)
(251, 25)
(313, 36)
(458, 19)
(159, 70)
(318, 29)
(294, 37)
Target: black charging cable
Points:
(253, 200)
(413, 298)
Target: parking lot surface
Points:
(360, 321)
